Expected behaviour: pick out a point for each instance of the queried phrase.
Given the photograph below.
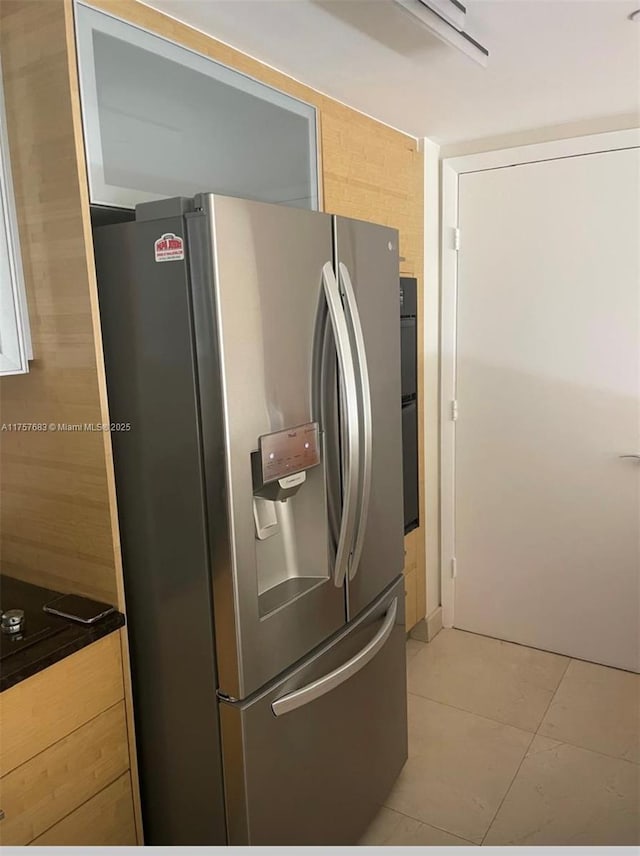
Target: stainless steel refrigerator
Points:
(253, 371)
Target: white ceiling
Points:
(551, 61)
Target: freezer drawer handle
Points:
(366, 429)
(348, 375)
(347, 670)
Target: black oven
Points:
(409, 385)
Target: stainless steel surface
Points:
(329, 682)
(294, 480)
(350, 421)
(370, 253)
(324, 386)
(146, 322)
(279, 489)
(365, 422)
(265, 517)
(318, 775)
(290, 451)
(12, 621)
(289, 554)
(257, 295)
(260, 342)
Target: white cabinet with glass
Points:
(161, 120)
(15, 340)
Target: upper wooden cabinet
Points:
(15, 341)
(160, 120)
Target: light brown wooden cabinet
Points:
(414, 578)
(104, 821)
(63, 746)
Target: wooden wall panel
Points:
(55, 515)
(58, 520)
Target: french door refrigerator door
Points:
(261, 275)
(367, 270)
(312, 758)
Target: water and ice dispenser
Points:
(289, 510)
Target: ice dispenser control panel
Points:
(289, 451)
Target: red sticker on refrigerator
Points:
(169, 248)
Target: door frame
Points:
(452, 169)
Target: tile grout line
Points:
(555, 693)
(540, 650)
(472, 713)
(532, 733)
(566, 742)
(515, 775)
(532, 648)
(589, 750)
(533, 737)
(482, 715)
(432, 825)
(535, 733)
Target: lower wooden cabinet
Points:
(411, 606)
(43, 709)
(411, 579)
(64, 753)
(46, 788)
(105, 820)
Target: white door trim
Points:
(452, 168)
(431, 373)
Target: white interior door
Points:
(547, 512)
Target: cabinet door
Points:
(161, 120)
(106, 820)
(49, 786)
(46, 707)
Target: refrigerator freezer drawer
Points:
(310, 760)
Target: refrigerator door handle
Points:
(366, 418)
(338, 676)
(348, 379)
(324, 380)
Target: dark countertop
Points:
(66, 636)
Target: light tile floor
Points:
(510, 745)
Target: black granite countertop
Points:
(56, 638)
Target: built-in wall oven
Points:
(409, 364)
